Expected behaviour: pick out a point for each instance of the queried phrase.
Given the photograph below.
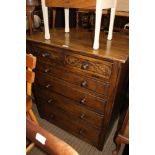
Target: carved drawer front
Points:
(71, 3)
(71, 107)
(81, 81)
(71, 124)
(93, 67)
(84, 98)
(77, 63)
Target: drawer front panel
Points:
(92, 67)
(81, 81)
(71, 124)
(61, 87)
(78, 111)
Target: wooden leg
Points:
(29, 147)
(112, 17)
(97, 24)
(30, 21)
(53, 19)
(45, 17)
(66, 20)
(77, 19)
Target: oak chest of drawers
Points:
(77, 88)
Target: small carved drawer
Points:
(75, 109)
(79, 80)
(70, 123)
(82, 97)
(77, 63)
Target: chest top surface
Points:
(71, 3)
(80, 41)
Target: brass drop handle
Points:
(50, 100)
(84, 66)
(44, 55)
(46, 70)
(82, 116)
(83, 83)
(83, 101)
(48, 85)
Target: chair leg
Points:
(66, 20)
(45, 17)
(97, 24)
(54, 15)
(112, 17)
(77, 19)
(29, 147)
(30, 21)
(32, 116)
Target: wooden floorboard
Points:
(80, 146)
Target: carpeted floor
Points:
(80, 146)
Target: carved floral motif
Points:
(95, 67)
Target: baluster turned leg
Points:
(45, 18)
(112, 17)
(97, 23)
(66, 20)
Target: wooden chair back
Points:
(30, 75)
(53, 145)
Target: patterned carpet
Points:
(80, 146)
